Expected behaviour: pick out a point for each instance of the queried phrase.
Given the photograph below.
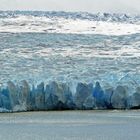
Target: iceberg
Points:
(58, 96)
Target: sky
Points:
(94, 6)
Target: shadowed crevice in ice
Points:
(59, 96)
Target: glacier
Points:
(63, 60)
(66, 22)
(59, 96)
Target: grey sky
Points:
(122, 6)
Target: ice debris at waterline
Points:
(58, 96)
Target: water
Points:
(71, 125)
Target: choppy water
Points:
(71, 125)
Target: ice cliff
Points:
(59, 96)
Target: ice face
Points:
(58, 96)
(82, 92)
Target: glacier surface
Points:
(87, 61)
(67, 22)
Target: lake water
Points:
(71, 125)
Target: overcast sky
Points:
(119, 6)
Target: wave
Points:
(59, 96)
